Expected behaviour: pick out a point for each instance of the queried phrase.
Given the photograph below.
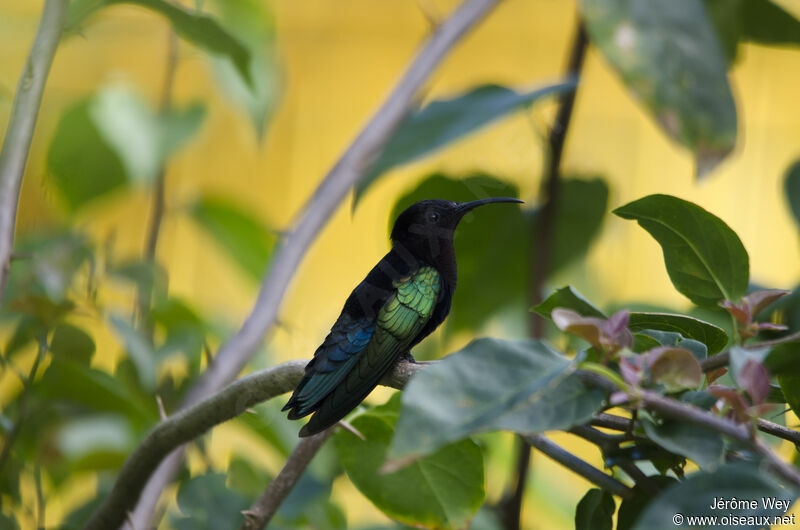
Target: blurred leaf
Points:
(783, 359)
(26, 331)
(695, 495)
(245, 478)
(790, 386)
(765, 22)
(443, 121)
(481, 237)
(671, 338)
(8, 522)
(307, 493)
(726, 16)
(442, 490)
(682, 82)
(581, 206)
(96, 442)
(700, 445)
(183, 329)
(629, 509)
(269, 424)
(754, 379)
(740, 356)
(70, 342)
(791, 187)
(145, 275)
(713, 337)
(252, 23)
(675, 368)
(207, 503)
(704, 258)
(201, 30)
(568, 298)
(138, 349)
(112, 139)
(247, 241)
(521, 386)
(595, 511)
(72, 382)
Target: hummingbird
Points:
(401, 301)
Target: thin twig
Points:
(262, 510)
(544, 229)
(41, 524)
(236, 352)
(192, 422)
(19, 135)
(721, 360)
(581, 467)
(22, 400)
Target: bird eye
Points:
(433, 217)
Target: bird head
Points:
(424, 226)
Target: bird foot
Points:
(407, 357)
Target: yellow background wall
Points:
(340, 59)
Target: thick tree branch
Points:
(262, 510)
(581, 467)
(192, 422)
(19, 135)
(234, 354)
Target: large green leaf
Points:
(207, 503)
(791, 186)
(713, 337)
(629, 509)
(442, 490)
(765, 22)
(568, 298)
(521, 386)
(139, 350)
(705, 259)
(245, 238)
(668, 55)
(703, 446)
(201, 30)
(96, 442)
(443, 121)
(595, 511)
(71, 342)
(111, 139)
(695, 496)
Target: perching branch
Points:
(234, 354)
(262, 510)
(19, 135)
(192, 422)
(581, 467)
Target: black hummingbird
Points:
(400, 302)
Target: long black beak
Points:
(465, 207)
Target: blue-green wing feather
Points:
(396, 326)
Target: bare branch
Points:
(262, 510)
(192, 422)
(581, 467)
(19, 135)
(234, 354)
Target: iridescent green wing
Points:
(398, 323)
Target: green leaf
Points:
(201, 30)
(481, 236)
(113, 139)
(695, 495)
(790, 386)
(643, 342)
(443, 121)
(145, 275)
(713, 337)
(568, 298)
(72, 382)
(139, 350)
(595, 511)
(580, 208)
(682, 81)
(442, 490)
(765, 22)
(703, 446)
(791, 187)
(251, 22)
(521, 386)
(783, 359)
(704, 258)
(629, 509)
(96, 442)
(207, 503)
(672, 338)
(70, 342)
(243, 236)
(726, 16)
